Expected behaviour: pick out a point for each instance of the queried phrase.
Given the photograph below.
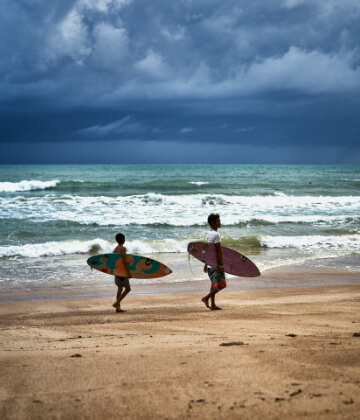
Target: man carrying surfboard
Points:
(121, 282)
(216, 274)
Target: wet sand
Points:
(279, 353)
(295, 276)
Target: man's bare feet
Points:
(116, 305)
(118, 309)
(205, 302)
(215, 308)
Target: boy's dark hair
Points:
(120, 238)
(212, 218)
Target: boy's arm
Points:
(219, 256)
(125, 263)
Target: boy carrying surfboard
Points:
(121, 282)
(216, 274)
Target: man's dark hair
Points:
(213, 218)
(120, 238)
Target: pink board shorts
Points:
(217, 278)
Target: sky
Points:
(180, 81)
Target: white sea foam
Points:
(150, 247)
(331, 245)
(55, 248)
(96, 246)
(180, 210)
(27, 185)
(316, 246)
(311, 241)
(198, 183)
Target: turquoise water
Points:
(52, 218)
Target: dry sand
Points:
(269, 354)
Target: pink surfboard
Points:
(235, 263)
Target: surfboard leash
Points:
(190, 264)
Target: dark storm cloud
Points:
(257, 73)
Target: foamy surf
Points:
(53, 217)
(181, 211)
(318, 246)
(27, 185)
(49, 249)
(95, 246)
(199, 183)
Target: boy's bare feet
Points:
(118, 309)
(206, 302)
(215, 308)
(116, 305)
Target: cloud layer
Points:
(284, 71)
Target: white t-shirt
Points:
(213, 237)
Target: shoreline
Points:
(285, 277)
(275, 353)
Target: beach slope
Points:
(280, 353)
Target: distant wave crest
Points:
(198, 183)
(95, 246)
(349, 243)
(181, 210)
(55, 248)
(27, 185)
(314, 245)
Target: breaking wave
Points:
(342, 245)
(96, 246)
(27, 185)
(181, 210)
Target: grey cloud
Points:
(186, 130)
(127, 126)
(81, 68)
(290, 4)
(108, 38)
(244, 129)
(226, 44)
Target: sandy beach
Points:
(277, 353)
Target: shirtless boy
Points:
(121, 282)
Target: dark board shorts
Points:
(122, 281)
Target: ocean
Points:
(53, 217)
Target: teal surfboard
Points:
(139, 267)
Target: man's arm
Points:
(219, 257)
(125, 263)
